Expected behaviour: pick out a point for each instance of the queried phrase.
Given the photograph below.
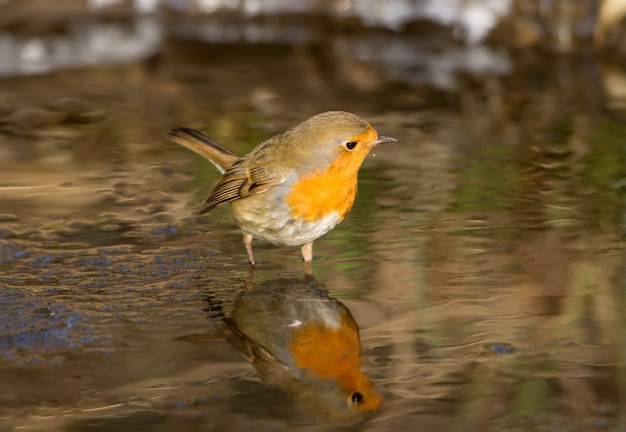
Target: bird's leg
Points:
(307, 252)
(307, 258)
(247, 240)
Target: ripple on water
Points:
(36, 330)
(56, 302)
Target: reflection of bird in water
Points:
(306, 343)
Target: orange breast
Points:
(323, 192)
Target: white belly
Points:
(276, 225)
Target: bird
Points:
(301, 340)
(294, 187)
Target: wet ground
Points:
(483, 262)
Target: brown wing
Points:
(238, 182)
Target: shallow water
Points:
(483, 261)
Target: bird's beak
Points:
(384, 139)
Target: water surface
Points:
(483, 261)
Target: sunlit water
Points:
(483, 261)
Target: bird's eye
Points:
(357, 398)
(351, 144)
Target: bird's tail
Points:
(201, 144)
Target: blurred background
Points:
(483, 262)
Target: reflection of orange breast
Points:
(329, 352)
(320, 193)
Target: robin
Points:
(294, 187)
(306, 343)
